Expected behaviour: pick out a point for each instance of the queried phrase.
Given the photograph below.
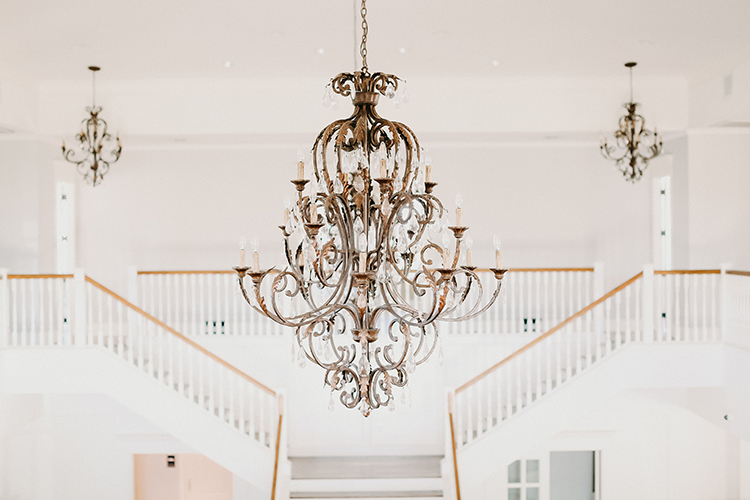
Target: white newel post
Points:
(79, 307)
(726, 304)
(648, 303)
(598, 293)
(133, 285)
(4, 308)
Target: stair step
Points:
(373, 467)
(368, 495)
(380, 485)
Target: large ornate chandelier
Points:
(96, 149)
(634, 144)
(372, 263)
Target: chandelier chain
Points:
(363, 44)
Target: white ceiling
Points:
(145, 39)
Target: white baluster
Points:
(262, 418)
(141, 330)
(714, 310)
(618, 331)
(60, 299)
(120, 330)
(588, 328)
(241, 390)
(547, 323)
(513, 291)
(538, 305)
(210, 369)
(110, 325)
(539, 356)
(221, 375)
(694, 287)
(578, 331)
(628, 334)
(24, 312)
(607, 326)
(561, 296)
(505, 294)
(470, 414)
(201, 362)
(648, 303)
(519, 390)
(558, 356)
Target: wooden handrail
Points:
(278, 445)
(689, 271)
(180, 336)
(479, 270)
(37, 276)
(553, 330)
(453, 446)
(739, 273)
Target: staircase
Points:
(366, 478)
(71, 334)
(635, 324)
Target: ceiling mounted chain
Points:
(363, 44)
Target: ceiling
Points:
(149, 39)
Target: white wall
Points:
(186, 207)
(27, 201)
(719, 162)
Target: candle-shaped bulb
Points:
(428, 168)
(459, 210)
(498, 253)
(254, 245)
(287, 206)
(242, 252)
(300, 165)
(469, 242)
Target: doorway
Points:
(574, 475)
(187, 476)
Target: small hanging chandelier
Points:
(96, 149)
(635, 145)
(372, 263)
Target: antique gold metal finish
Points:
(360, 287)
(634, 144)
(96, 148)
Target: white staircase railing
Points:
(73, 311)
(661, 306)
(208, 302)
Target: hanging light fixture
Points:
(96, 148)
(635, 145)
(372, 262)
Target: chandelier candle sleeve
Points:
(469, 243)
(498, 253)
(256, 258)
(300, 165)
(459, 211)
(242, 252)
